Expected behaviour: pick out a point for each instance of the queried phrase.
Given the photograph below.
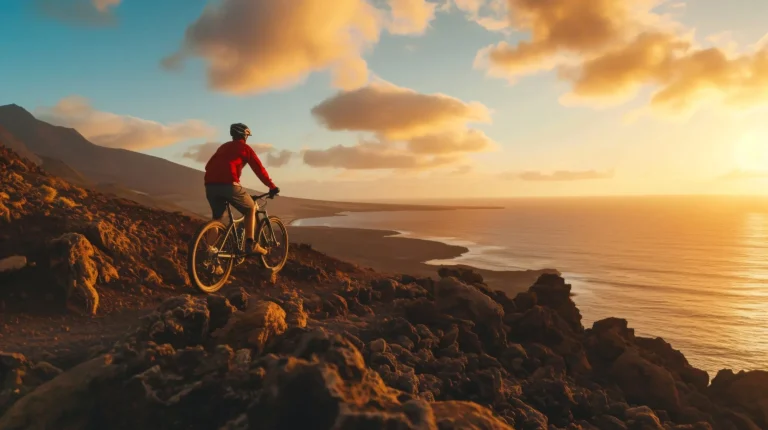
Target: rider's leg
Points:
(218, 205)
(250, 222)
(243, 202)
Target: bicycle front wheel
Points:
(276, 244)
(209, 271)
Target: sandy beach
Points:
(385, 252)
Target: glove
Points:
(274, 191)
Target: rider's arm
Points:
(258, 168)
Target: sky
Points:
(413, 99)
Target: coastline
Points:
(390, 252)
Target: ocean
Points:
(692, 270)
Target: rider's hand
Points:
(274, 191)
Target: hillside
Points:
(11, 142)
(156, 177)
(100, 330)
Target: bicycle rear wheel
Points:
(277, 246)
(207, 271)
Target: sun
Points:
(751, 151)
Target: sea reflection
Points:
(749, 307)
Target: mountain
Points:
(155, 177)
(7, 139)
(136, 171)
(322, 345)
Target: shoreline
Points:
(389, 251)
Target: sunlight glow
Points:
(751, 152)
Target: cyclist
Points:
(222, 182)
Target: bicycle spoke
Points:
(208, 267)
(274, 244)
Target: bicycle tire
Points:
(279, 223)
(192, 256)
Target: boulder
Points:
(645, 383)
(220, 310)
(642, 418)
(13, 263)
(114, 242)
(19, 376)
(552, 291)
(65, 402)
(607, 340)
(297, 317)
(386, 287)
(456, 415)
(75, 272)
(660, 352)
(171, 270)
(179, 321)
(466, 275)
(460, 300)
(747, 391)
(335, 305)
(239, 299)
(254, 327)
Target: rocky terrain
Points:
(100, 330)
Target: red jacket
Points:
(226, 164)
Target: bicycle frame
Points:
(240, 239)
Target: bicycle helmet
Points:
(239, 130)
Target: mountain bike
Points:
(215, 248)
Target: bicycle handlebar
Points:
(261, 196)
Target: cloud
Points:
(410, 16)
(368, 155)
(741, 174)
(489, 14)
(559, 26)
(81, 12)
(424, 152)
(610, 49)
(255, 46)
(683, 76)
(409, 130)
(252, 46)
(279, 159)
(119, 131)
(560, 175)
(450, 142)
(395, 112)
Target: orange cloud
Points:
(369, 155)
(411, 130)
(395, 112)
(609, 49)
(450, 142)
(83, 12)
(279, 159)
(558, 26)
(120, 131)
(411, 16)
(256, 46)
(682, 75)
(259, 45)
